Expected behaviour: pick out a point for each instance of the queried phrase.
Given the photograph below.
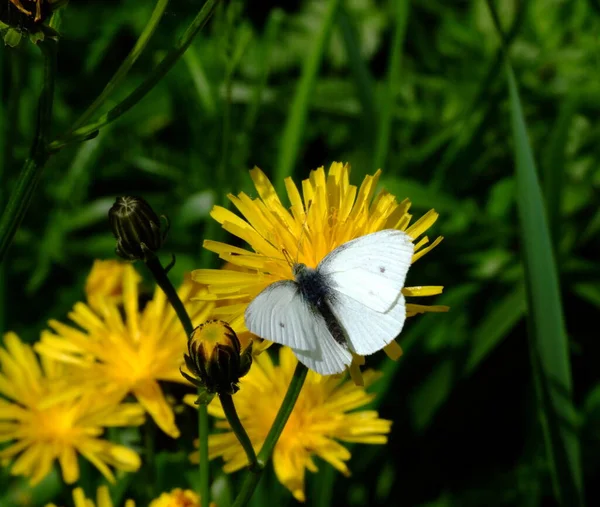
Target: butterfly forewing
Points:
(370, 269)
(280, 314)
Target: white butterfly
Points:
(352, 302)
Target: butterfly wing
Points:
(370, 269)
(328, 357)
(366, 276)
(280, 314)
(368, 330)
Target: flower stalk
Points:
(90, 130)
(160, 275)
(21, 195)
(30, 174)
(237, 427)
(287, 406)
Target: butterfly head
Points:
(298, 268)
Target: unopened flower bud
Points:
(136, 227)
(216, 360)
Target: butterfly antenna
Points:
(288, 257)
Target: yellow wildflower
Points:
(330, 213)
(44, 427)
(320, 418)
(128, 355)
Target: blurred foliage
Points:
(466, 429)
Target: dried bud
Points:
(216, 359)
(26, 17)
(136, 227)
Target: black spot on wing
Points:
(381, 269)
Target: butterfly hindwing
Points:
(367, 330)
(280, 314)
(328, 357)
(370, 269)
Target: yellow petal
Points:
(151, 397)
(423, 290)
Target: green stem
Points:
(203, 450)
(253, 477)
(159, 274)
(149, 439)
(126, 65)
(238, 429)
(20, 196)
(90, 130)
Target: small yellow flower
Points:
(330, 213)
(102, 499)
(44, 427)
(320, 418)
(112, 354)
(177, 498)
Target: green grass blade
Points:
(386, 106)
(553, 166)
(125, 67)
(548, 340)
(294, 127)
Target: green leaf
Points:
(548, 340)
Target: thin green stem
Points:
(287, 406)
(238, 429)
(20, 196)
(203, 450)
(149, 455)
(159, 274)
(126, 65)
(90, 130)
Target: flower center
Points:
(55, 424)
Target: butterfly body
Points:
(350, 303)
(317, 290)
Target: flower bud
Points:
(26, 17)
(216, 360)
(136, 227)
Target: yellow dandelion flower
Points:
(102, 499)
(320, 418)
(132, 354)
(330, 213)
(44, 427)
(106, 281)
